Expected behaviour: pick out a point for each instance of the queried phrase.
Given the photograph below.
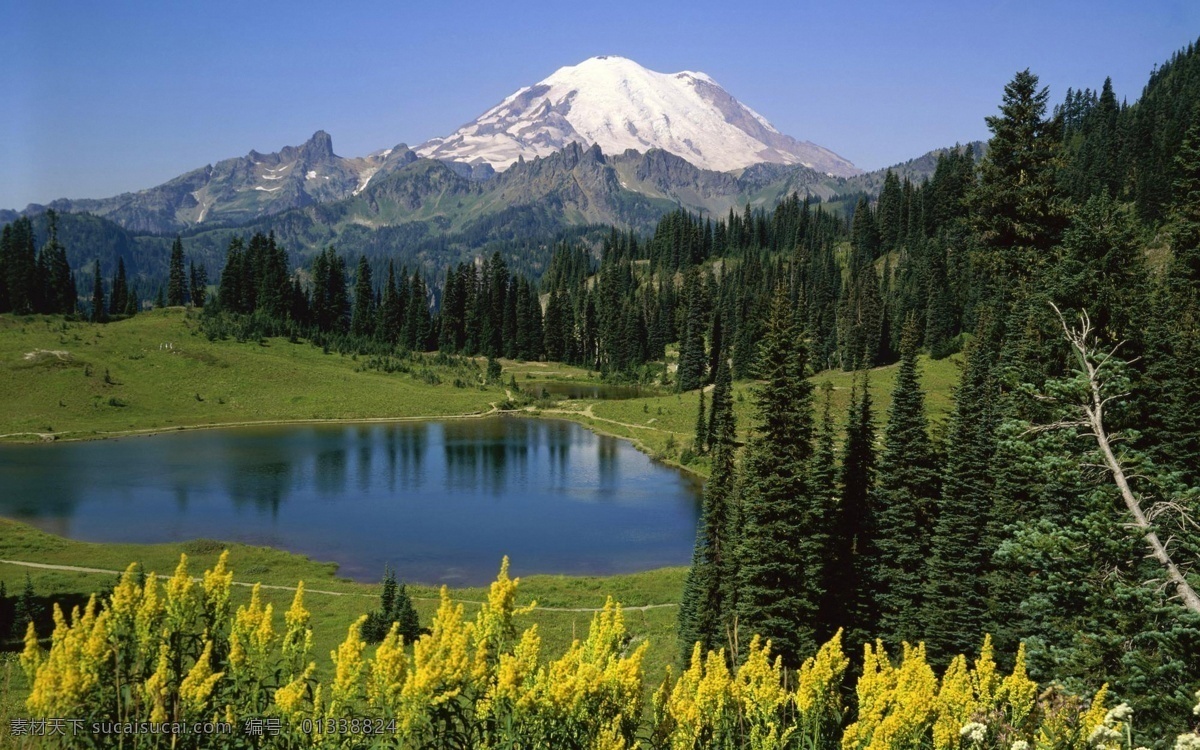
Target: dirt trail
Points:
(307, 590)
(592, 415)
(495, 409)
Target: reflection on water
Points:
(440, 501)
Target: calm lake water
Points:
(439, 501)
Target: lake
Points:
(441, 502)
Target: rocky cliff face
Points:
(242, 189)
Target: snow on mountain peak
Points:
(616, 103)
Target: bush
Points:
(395, 606)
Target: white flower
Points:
(1120, 712)
(1102, 736)
(974, 731)
(1020, 745)
(1189, 741)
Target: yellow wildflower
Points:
(217, 583)
(183, 606)
(386, 680)
(348, 666)
(985, 677)
(956, 704)
(818, 694)
(156, 690)
(149, 618)
(759, 689)
(1018, 692)
(290, 697)
(297, 639)
(31, 657)
(198, 685)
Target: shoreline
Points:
(585, 419)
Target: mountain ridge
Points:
(618, 104)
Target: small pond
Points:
(438, 501)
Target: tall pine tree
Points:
(176, 281)
(783, 538)
(904, 501)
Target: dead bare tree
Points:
(1092, 366)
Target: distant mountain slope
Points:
(242, 189)
(619, 105)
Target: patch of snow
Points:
(267, 189)
(363, 178)
(618, 104)
(272, 177)
(312, 175)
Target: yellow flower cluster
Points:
(906, 706)
(66, 679)
(175, 652)
(711, 705)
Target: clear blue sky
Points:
(100, 98)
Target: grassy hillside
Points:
(157, 371)
(652, 423)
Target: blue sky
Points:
(101, 98)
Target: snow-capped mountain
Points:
(619, 105)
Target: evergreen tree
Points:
(701, 438)
(1176, 347)
(27, 609)
(362, 319)
(783, 538)
(722, 407)
(118, 301)
(176, 282)
(229, 291)
(904, 504)
(20, 267)
(707, 609)
(1017, 210)
(6, 614)
(58, 294)
(391, 314)
(417, 321)
(825, 468)
(851, 527)
(395, 606)
(198, 283)
(692, 359)
(99, 311)
(955, 595)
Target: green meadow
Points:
(158, 371)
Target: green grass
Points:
(68, 379)
(649, 422)
(78, 380)
(332, 615)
